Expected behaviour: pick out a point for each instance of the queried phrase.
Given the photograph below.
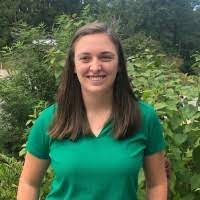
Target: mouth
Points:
(96, 78)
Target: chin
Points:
(98, 91)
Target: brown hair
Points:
(71, 119)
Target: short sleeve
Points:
(38, 142)
(155, 139)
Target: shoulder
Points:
(38, 143)
(146, 109)
(48, 112)
(152, 128)
(46, 116)
(148, 114)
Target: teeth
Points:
(96, 78)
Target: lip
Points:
(100, 75)
(96, 76)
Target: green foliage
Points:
(176, 98)
(15, 107)
(41, 105)
(10, 170)
(7, 17)
(138, 43)
(33, 13)
(30, 80)
(45, 11)
(196, 64)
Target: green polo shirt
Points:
(96, 168)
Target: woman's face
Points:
(96, 63)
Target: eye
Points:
(85, 59)
(106, 58)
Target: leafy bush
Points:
(30, 80)
(138, 43)
(196, 65)
(176, 98)
(10, 170)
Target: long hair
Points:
(70, 119)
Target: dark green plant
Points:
(176, 97)
(30, 80)
(196, 64)
(10, 170)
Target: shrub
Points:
(29, 81)
(10, 170)
(176, 97)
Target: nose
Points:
(95, 65)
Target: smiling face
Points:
(96, 63)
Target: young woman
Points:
(98, 135)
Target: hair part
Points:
(70, 119)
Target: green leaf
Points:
(159, 106)
(29, 122)
(189, 111)
(196, 157)
(188, 197)
(180, 138)
(52, 61)
(138, 64)
(22, 152)
(149, 57)
(195, 181)
(172, 107)
(141, 177)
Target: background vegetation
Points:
(161, 39)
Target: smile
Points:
(96, 78)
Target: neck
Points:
(98, 102)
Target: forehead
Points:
(94, 42)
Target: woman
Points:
(98, 135)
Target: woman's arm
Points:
(156, 178)
(31, 177)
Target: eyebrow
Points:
(101, 53)
(84, 54)
(107, 53)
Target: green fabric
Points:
(96, 168)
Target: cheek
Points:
(77, 67)
(113, 69)
(80, 70)
(115, 65)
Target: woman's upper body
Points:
(98, 135)
(96, 167)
